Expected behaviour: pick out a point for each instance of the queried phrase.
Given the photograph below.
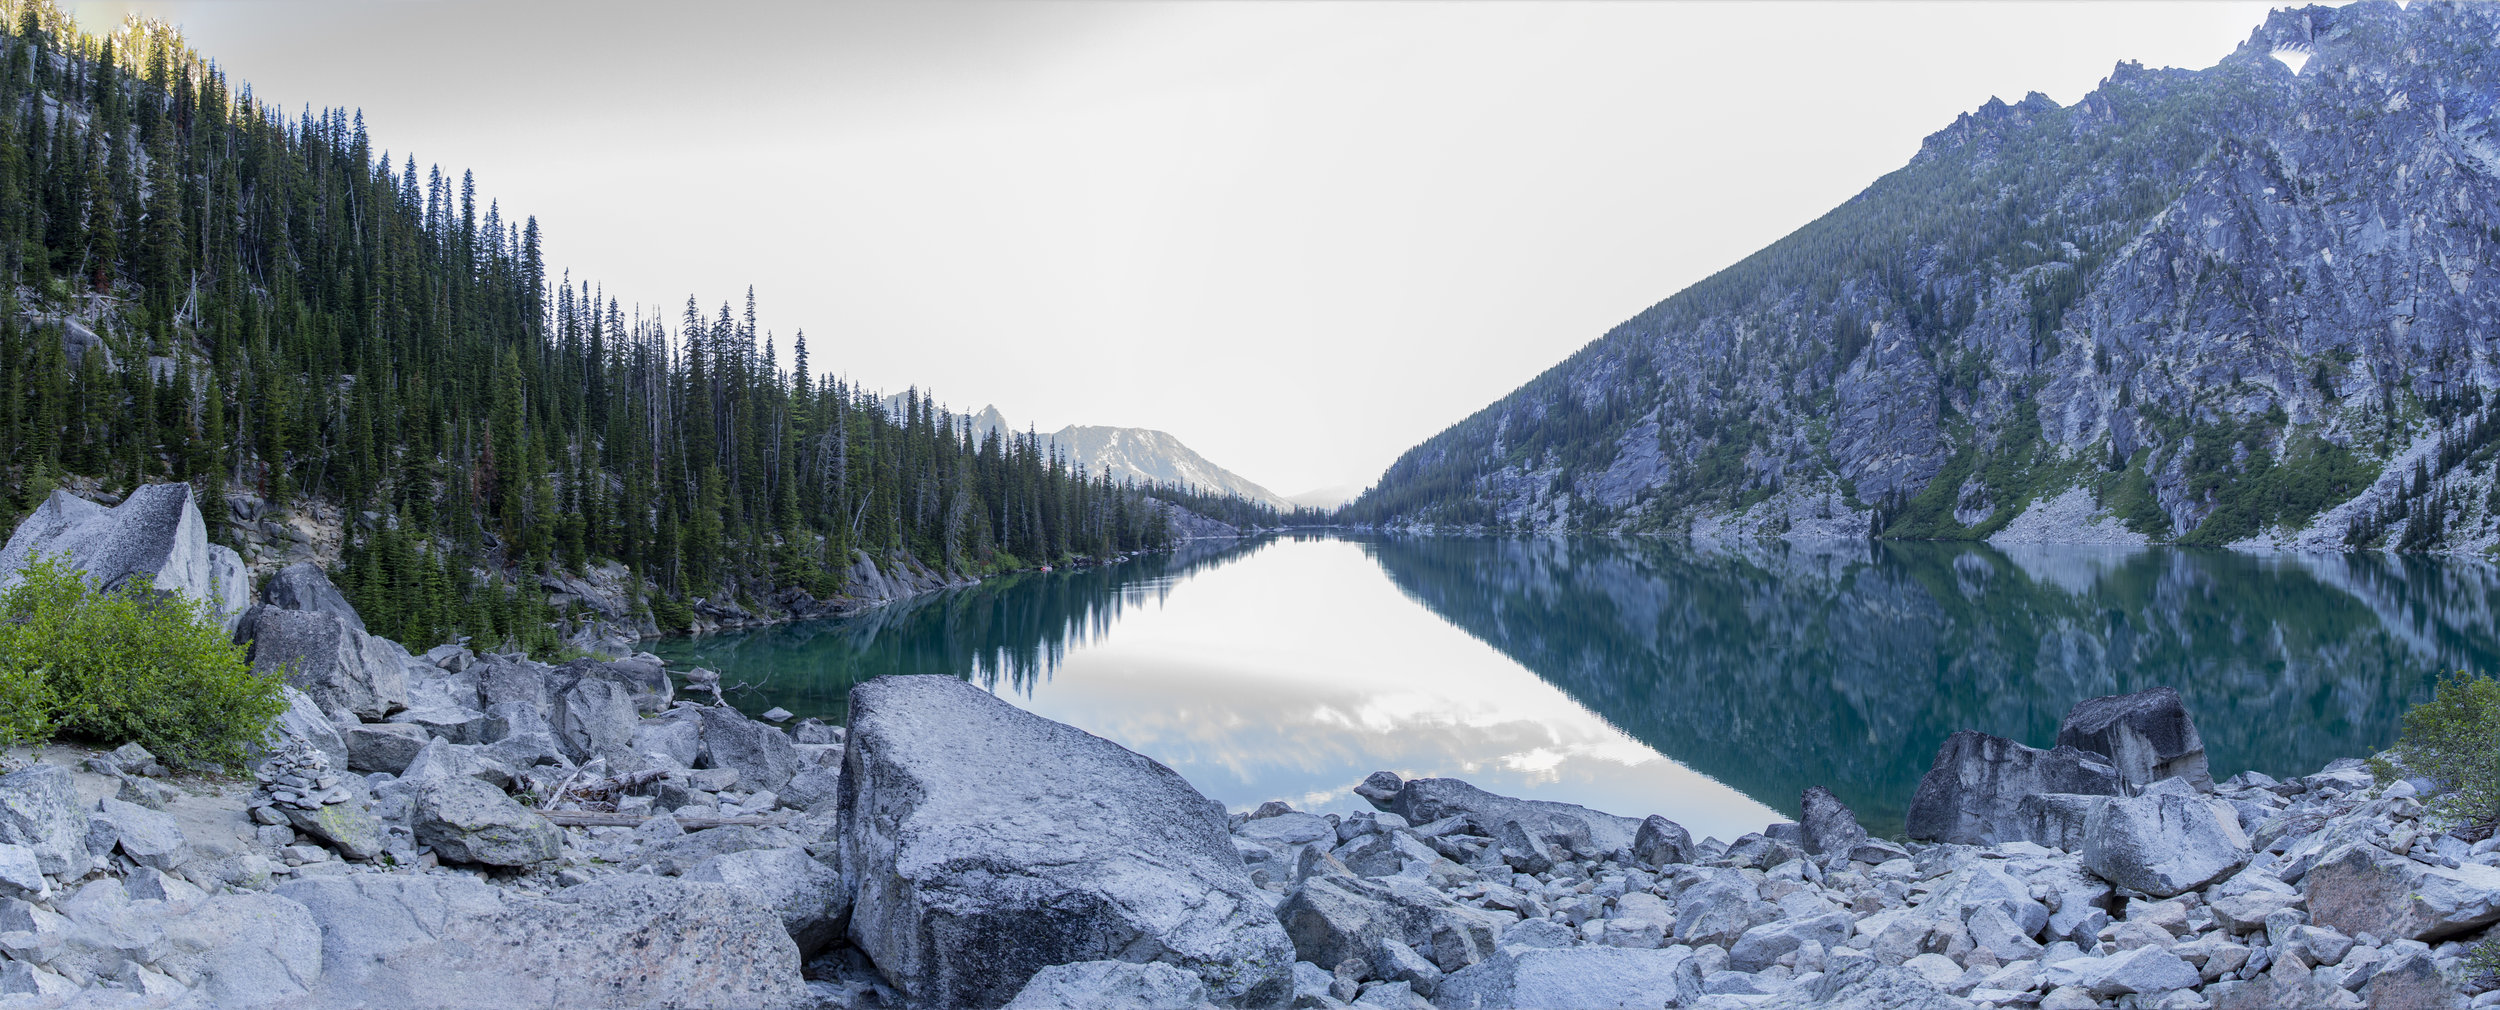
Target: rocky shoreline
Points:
(456, 830)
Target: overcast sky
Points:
(1299, 236)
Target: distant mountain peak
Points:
(1141, 454)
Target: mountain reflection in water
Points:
(1708, 683)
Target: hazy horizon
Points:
(1300, 238)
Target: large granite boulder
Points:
(351, 675)
(643, 676)
(303, 586)
(40, 809)
(2163, 843)
(2147, 736)
(303, 723)
(468, 821)
(1971, 795)
(1574, 978)
(388, 940)
(763, 756)
(384, 746)
(1584, 831)
(2361, 888)
(1661, 842)
(983, 843)
(153, 538)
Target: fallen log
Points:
(597, 819)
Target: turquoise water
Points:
(1708, 684)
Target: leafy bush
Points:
(2454, 740)
(132, 664)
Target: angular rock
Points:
(813, 789)
(20, 875)
(2162, 844)
(1862, 985)
(678, 735)
(595, 718)
(1582, 830)
(2411, 982)
(1971, 795)
(2056, 820)
(2362, 888)
(1763, 945)
(383, 746)
(1661, 842)
(1829, 825)
(805, 891)
(1331, 916)
(1577, 978)
(2147, 736)
(1718, 906)
(448, 722)
(2142, 970)
(303, 722)
(154, 538)
(444, 759)
(468, 821)
(1126, 986)
(241, 951)
(645, 679)
(350, 674)
(983, 843)
(763, 756)
(449, 942)
(40, 809)
(1380, 789)
(2246, 913)
(304, 586)
(149, 838)
(347, 827)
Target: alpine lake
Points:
(1708, 683)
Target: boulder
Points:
(303, 586)
(450, 942)
(678, 735)
(2246, 913)
(21, 876)
(805, 891)
(40, 809)
(2146, 736)
(441, 759)
(1575, 978)
(506, 679)
(1861, 985)
(347, 827)
(1971, 794)
(1332, 916)
(1829, 825)
(1718, 906)
(594, 717)
(645, 679)
(468, 821)
(384, 746)
(350, 674)
(303, 722)
(1763, 945)
(154, 538)
(2361, 888)
(149, 838)
(1380, 789)
(1111, 985)
(983, 843)
(2162, 843)
(2411, 981)
(1582, 830)
(2055, 819)
(241, 951)
(763, 756)
(1661, 842)
(813, 788)
(2148, 970)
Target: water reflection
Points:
(1709, 684)
(1773, 667)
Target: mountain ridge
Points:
(2235, 306)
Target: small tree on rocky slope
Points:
(2454, 740)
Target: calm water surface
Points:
(1709, 684)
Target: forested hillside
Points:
(2250, 304)
(210, 289)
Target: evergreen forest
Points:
(206, 288)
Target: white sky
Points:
(1301, 237)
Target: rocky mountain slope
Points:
(2239, 305)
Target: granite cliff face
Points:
(2240, 305)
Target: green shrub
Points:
(2454, 740)
(133, 664)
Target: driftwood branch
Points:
(596, 819)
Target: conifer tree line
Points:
(288, 314)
